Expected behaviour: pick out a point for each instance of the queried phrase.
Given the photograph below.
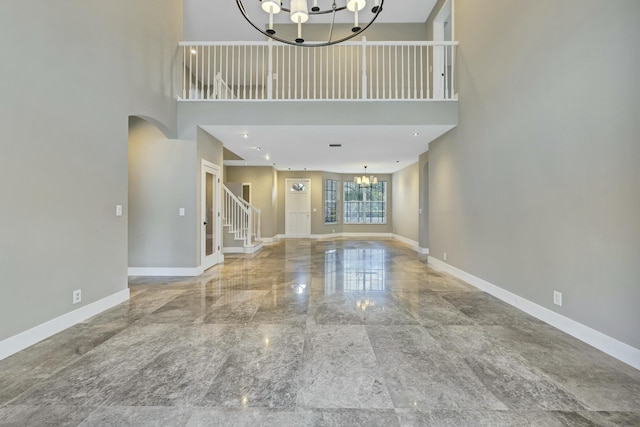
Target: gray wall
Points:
(423, 200)
(72, 74)
(161, 181)
(538, 188)
(405, 202)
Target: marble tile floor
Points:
(315, 333)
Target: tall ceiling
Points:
(385, 149)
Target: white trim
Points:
(248, 184)
(168, 271)
(243, 249)
(233, 250)
(213, 259)
(43, 331)
(611, 346)
(272, 240)
(414, 245)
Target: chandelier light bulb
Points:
(355, 6)
(299, 11)
(271, 7)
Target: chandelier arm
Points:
(333, 20)
(293, 43)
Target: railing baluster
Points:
(190, 72)
(184, 72)
(402, 68)
(396, 69)
(244, 77)
(428, 77)
(196, 83)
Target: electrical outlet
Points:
(444, 256)
(557, 298)
(77, 296)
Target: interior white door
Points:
(442, 27)
(298, 208)
(210, 202)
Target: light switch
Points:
(181, 212)
(118, 210)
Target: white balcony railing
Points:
(266, 71)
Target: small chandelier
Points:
(365, 180)
(299, 14)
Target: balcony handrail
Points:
(268, 71)
(352, 43)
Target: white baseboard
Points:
(43, 331)
(233, 250)
(382, 235)
(161, 271)
(621, 351)
(242, 249)
(414, 245)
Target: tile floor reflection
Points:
(331, 333)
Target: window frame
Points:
(364, 201)
(327, 200)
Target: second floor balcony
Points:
(352, 71)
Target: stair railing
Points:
(242, 218)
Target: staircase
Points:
(241, 221)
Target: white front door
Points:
(210, 203)
(298, 207)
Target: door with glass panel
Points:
(298, 208)
(210, 203)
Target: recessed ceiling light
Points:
(245, 135)
(416, 134)
(193, 51)
(267, 157)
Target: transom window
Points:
(365, 204)
(299, 187)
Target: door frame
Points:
(211, 260)
(248, 184)
(439, 65)
(287, 183)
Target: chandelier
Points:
(299, 13)
(365, 180)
